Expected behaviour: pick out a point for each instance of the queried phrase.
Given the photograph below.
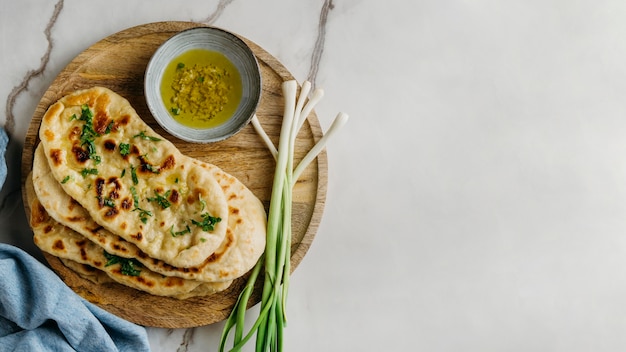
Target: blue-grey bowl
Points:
(209, 38)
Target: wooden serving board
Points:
(118, 62)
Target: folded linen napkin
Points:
(4, 141)
(38, 312)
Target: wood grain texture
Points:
(118, 62)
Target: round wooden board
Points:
(118, 62)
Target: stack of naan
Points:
(117, 202)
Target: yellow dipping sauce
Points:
(201, 88)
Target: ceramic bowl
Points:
(213, 39)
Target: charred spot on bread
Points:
(80, 154)
(126, 203)
(56, 156)
(174, 196)
(100, 191)
(115, 181)
(168, 163)
(173, 281)
(109, 145)
(101, 117)
(83, 254)
(74, 134)
(59, 245)
(123, 121)
(111, 212)
(49, 134)
(38, 214)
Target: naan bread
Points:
(243, 245)
(99, 277)
(131, 181)
(60, 241)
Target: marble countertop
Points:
(477, 196)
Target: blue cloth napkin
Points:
(38, 312)
(4, 141)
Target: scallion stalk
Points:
(269, 325)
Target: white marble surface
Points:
(477, 197)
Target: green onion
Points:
(270, 324)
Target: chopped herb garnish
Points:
(88, 135)
(133, 191)
(133, 175)
(129, 266)
(109, 128)
(161, 199)
(123, 172)
(85, 172)
(202, 239)
(176, 111)
(143, 214)
(180, 65)
(85, 112)
(124, 149)
(73, 117)
(151, 168)
(146, 166)
(180, 233)
(202, 203)
(208, 222)
(143, 135)
(66, 178)
(106, 201)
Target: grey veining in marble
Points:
(11, 206)
(483, 164)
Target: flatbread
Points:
(243, 244)
(61, 241)
(132, 181)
